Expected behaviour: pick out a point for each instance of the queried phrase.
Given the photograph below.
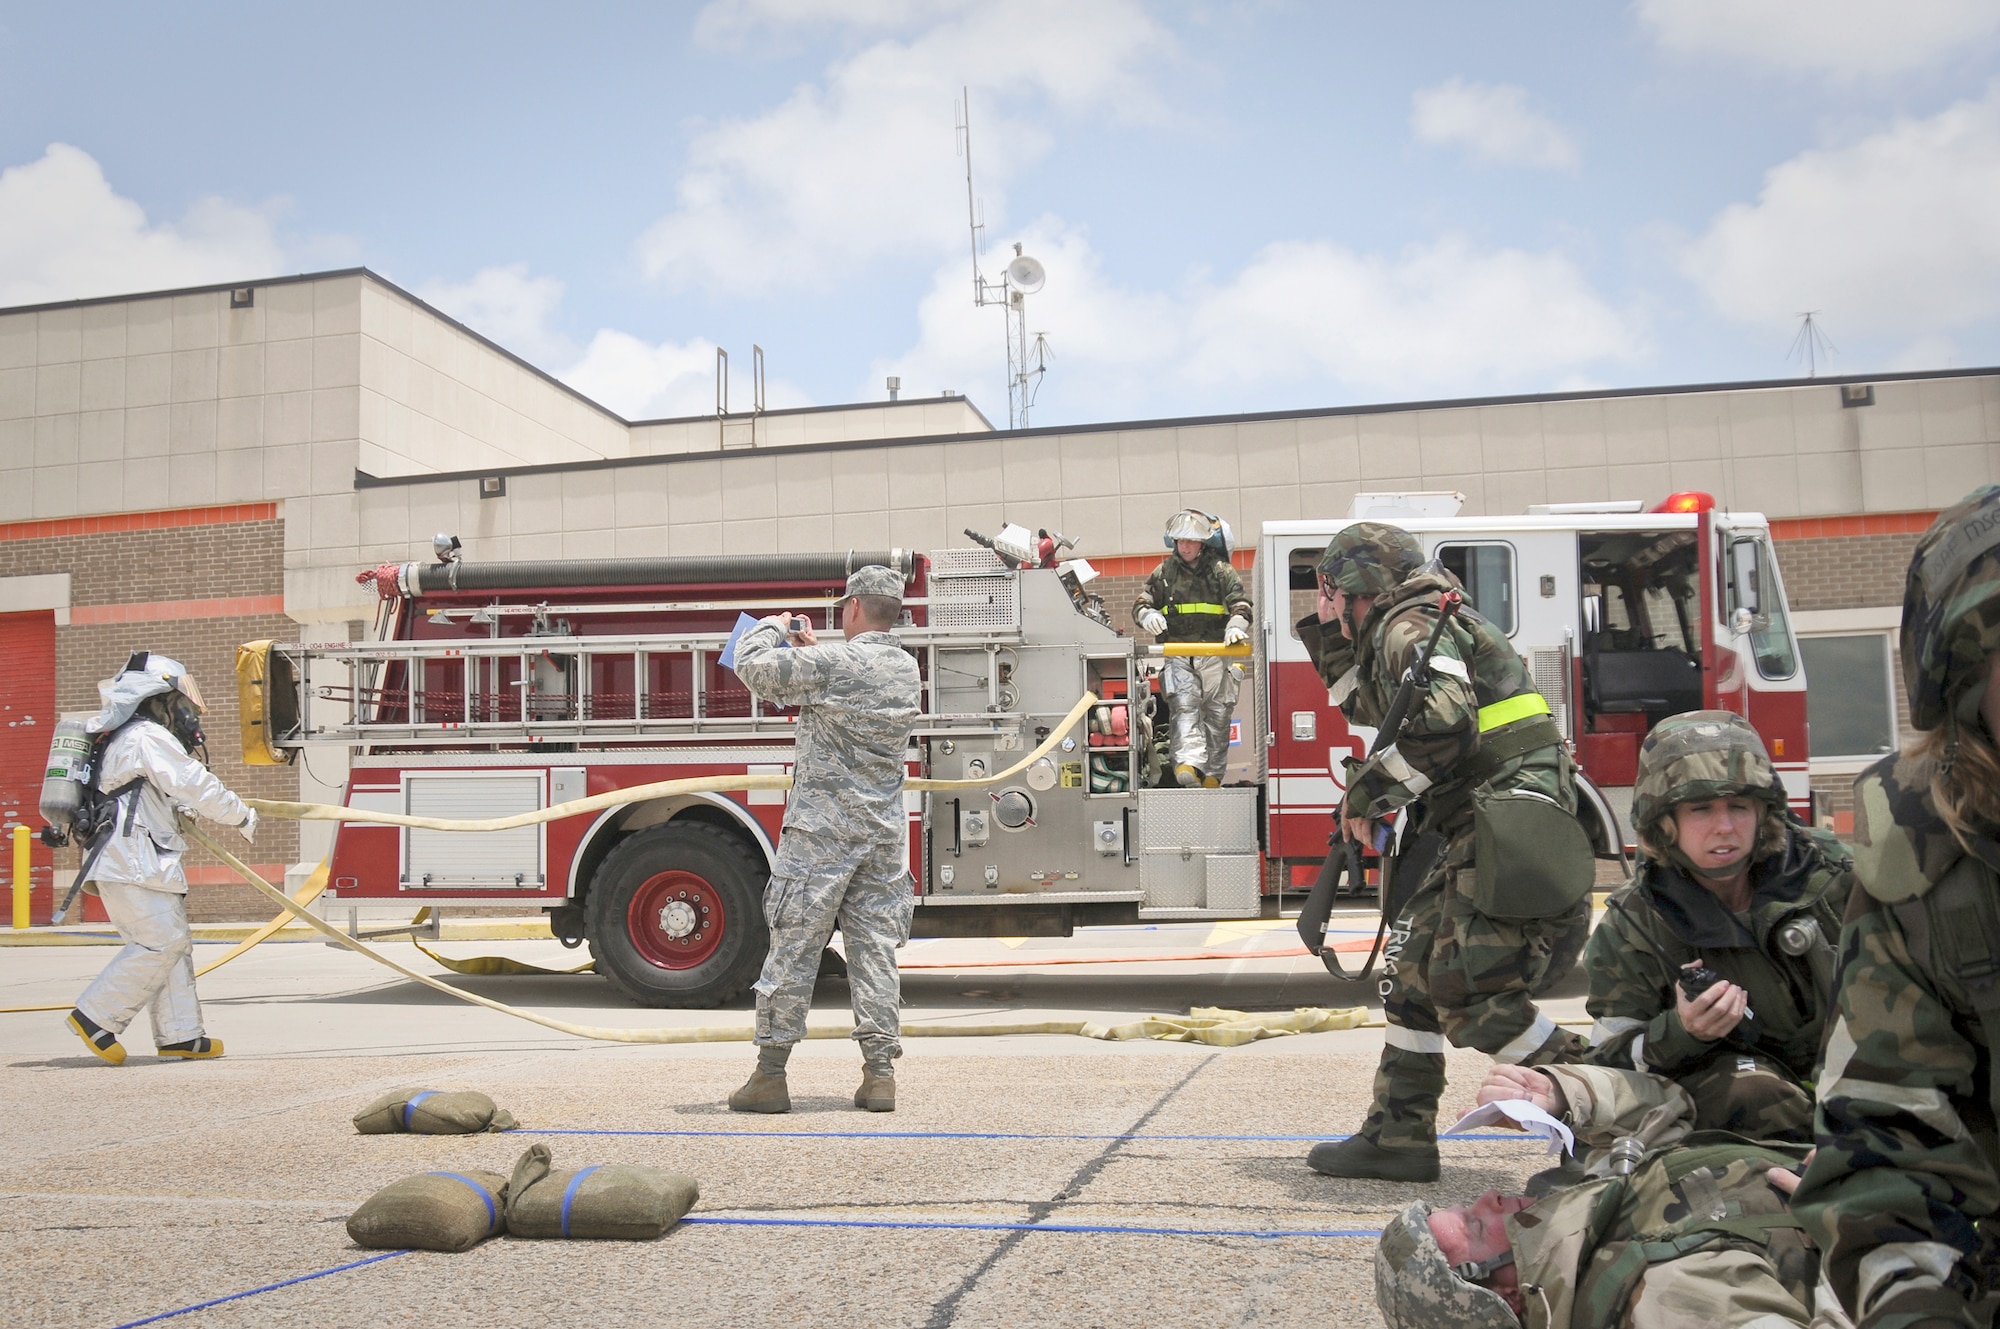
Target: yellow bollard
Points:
(21, 883)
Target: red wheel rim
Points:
(676, 919)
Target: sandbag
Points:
(432, 1211)
(433, 1112)
(614, 1202)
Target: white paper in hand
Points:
(1519, 1112)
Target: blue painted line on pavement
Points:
(1266, 1234)
(1514, 1136)
(268, 1287)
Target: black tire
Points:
(667, 869)
(1564, 954)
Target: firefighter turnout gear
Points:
(1197, 602)
(137, 872)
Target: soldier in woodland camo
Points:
(1696, 1235)
(1451, 969)
(1904, 1193)
(1727, 879)
(843, 857)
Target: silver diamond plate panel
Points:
(1551, 672)
(1232, 883)
(1169, 881)
(1203, 820)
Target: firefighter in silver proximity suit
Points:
(1196, 597)
(152, 710)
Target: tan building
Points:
(186, 470)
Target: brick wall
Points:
(215, 561)
(1846, 571)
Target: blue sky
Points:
(1241, 207)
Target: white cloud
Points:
(1897, 234)
(66, 235)
(508, 306)
(636, 378)
(644, 380)
(1306, 315)
(1494, 123)
(861, 165)
(1843, 38)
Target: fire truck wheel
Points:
(676, 916)
(1563, 956)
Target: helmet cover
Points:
(1371, 558)
(1415, 1287)
(1697, 756)
(1951, 611)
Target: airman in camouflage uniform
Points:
(1765, 920)
(1904, 1194)
(844, 854)
(1195, 595)
(1696, 1234)
(1469, 942)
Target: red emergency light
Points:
(1688, 500)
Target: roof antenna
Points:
(1022, 277)
(1811, 344)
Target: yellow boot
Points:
(195, 1049)
(97, 1038)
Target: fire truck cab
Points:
(1624, 615)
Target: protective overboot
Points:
(1210, 782)
(1360, 1157)
(195, 1049)
(762, 1092)
(97, 1038)
(1187, 777)
(877, 1092)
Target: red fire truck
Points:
(498, 688)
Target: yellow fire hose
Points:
(1219, 1028)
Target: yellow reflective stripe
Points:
(1518, 707)
(1198, 609)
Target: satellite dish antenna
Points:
(1025, 274)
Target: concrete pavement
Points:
(140, 1190)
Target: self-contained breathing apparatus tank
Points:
(67, 772)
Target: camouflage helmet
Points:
(1371, 558)
(1700, 755)
(1416, 1287)
(1951, 611)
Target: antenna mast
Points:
(1811, 343)
(1022, 277)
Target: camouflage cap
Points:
(875, 580)
(1700, 755)
(1415, 1287)
(1951, 610)
(1371, 558)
